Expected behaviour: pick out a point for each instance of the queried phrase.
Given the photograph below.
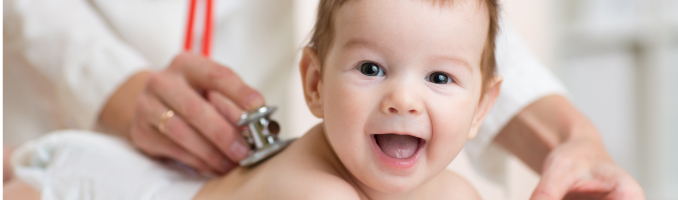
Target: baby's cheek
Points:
(447, 141)
(449, 133)
(344, 120)
(342, 111)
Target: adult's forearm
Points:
(544, 125)
(117, 114)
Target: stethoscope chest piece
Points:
(262, 134)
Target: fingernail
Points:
(254, 101)
(239, 150)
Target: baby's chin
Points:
(385, 182)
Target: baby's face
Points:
(401, 87)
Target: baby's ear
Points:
(484, 105)
(311, 80)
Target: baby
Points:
(401, 85)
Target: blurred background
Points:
(619, 61)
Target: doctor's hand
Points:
(581, 169)
(552, 137)
(186, 112)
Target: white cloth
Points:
(83, 165)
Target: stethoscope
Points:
(256, 126)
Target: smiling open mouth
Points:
(398, 146)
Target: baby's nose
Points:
(402, 101)
(395, 111)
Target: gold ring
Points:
(163, 119)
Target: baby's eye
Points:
(371, 69)
(439, 78)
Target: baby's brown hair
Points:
(323, 33)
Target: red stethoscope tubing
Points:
(207, 34)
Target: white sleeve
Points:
(525, 81)
(70, 44)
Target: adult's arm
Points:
(553, 138)
(532, 119)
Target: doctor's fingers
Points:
(557, 179)
(568, 176)
(176, 129)
(206, 74)
(147, 138)
(179, 96)
(225, 106)
(577, 181)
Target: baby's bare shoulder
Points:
(449, 185)
(304, 171)
(313, 184)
